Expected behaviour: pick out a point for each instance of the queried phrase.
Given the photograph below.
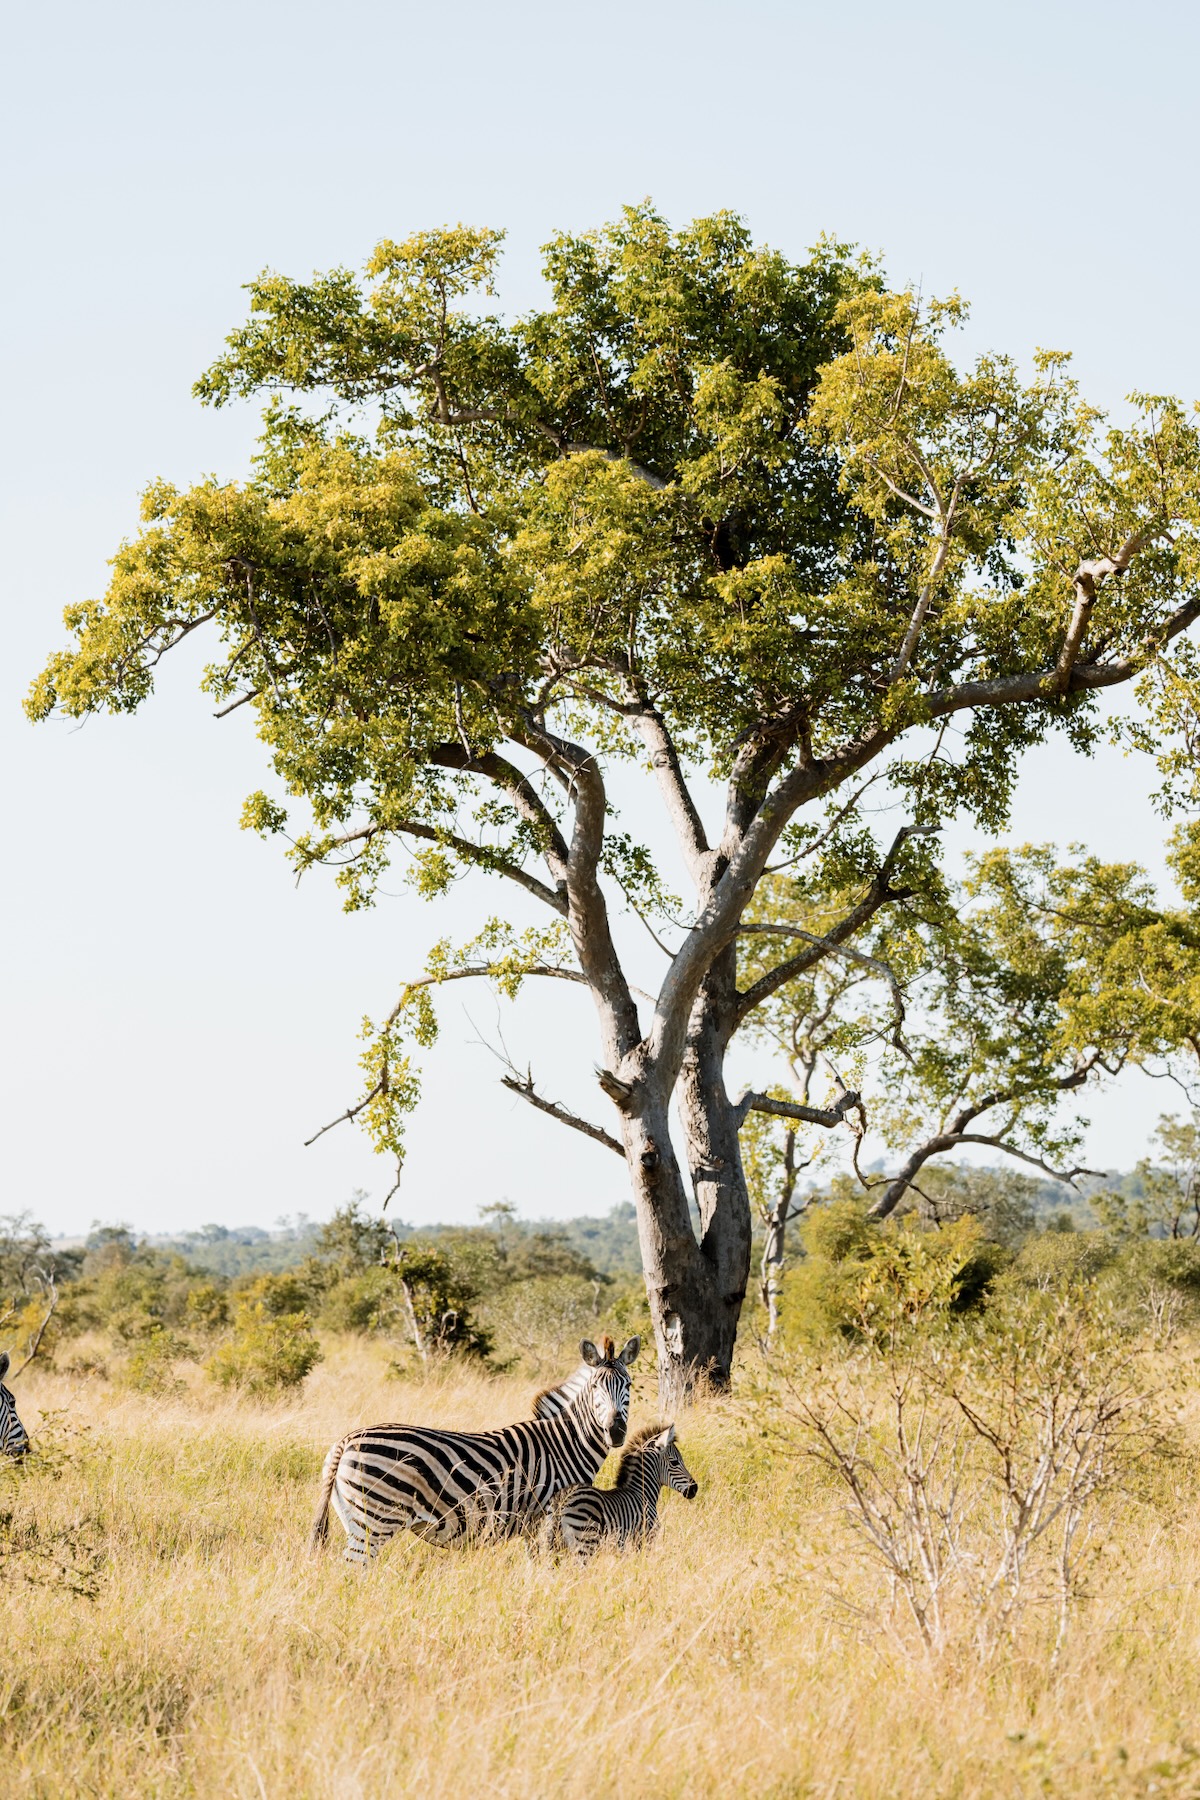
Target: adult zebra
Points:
(14, 1439)
(583, 1518)
(447, 1485)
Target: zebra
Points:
(14, 1439)
(583, 1518)
(445, 1486)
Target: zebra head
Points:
(14, 1439)
(605, 1395)
(676, 1473)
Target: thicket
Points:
(497, 1293)
(509, 1294)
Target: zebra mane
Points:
(549, 1402)
(633, 1447)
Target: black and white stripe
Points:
(14, 1439)
(584, 1518)
(446, 1486)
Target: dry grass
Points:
(220, 1660)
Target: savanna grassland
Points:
(217, 1657)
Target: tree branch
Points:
(791, 1109)
(523, 1085)
(689, 827)
(823, 947)
(48, 1282)
(957, 1133)
(478, 854)
(521, 791)
(490, 415)
(833, 942)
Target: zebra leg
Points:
(356, 1538)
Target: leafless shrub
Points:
(1164, 1308)
(971, 1458)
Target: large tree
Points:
(707, 510)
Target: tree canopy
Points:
(706, 509)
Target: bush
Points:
(207, 1306)
(971, 1460)
(150, 1366)
(267, 1351)
(859, 1278)
(538, 1316)
(279, 1295)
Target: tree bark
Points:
(771, 1272)
(696, 1278)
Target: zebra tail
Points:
(320, 1528)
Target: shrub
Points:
(279, 1295)
(207, 1306)
(971, 1459)
(267, 1351)
(1054, 1260)
(150, 1366)
(859, 1279)
(539, 1315)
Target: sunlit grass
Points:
(220, 1659)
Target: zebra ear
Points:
(668, 1437)
(3, 1364)
(590, 1354)
(629, 1353)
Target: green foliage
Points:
(864, 1281)
(435, 1299)
(149, 1367)
(267, 1351)
(754, 495)
(278, 1295)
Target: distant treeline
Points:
(608, 1243)
(250, 1305)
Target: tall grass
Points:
(219, 1659)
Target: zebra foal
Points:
(14, 1439)
(445, 1486)
(584, 1518)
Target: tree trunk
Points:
(771, 1271)
(695, 1285)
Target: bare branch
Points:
(520, 790)
(48, 1283)
(523, 1085)
(689, 827)
(924, 600)
(791, 1109)
(223, 712)
(1067, 1176)
(351, 1112)
(828, 947)
(958, 1132)
(492, 862)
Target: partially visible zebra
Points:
(583, 1518)
(447, 1485)
(14, 1439)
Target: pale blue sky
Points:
(178, 1016)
